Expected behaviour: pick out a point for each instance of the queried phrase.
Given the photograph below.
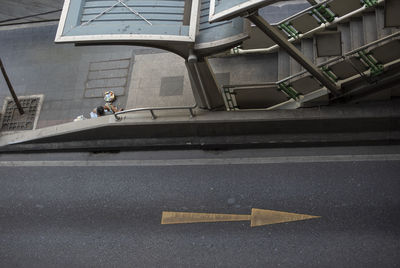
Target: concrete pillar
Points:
(204, 86)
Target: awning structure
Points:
(144, 22)
(179, 26)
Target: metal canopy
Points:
(175, 25)
(228, 9)
(179, 26)
(128, 20)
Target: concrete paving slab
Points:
(349, 124)
(172, 86)
(72, 79)
(36, 65)
(154, 82)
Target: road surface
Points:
(104, 210)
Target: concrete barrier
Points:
(363, 123)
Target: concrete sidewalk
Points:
(72, 79)
(362, 124)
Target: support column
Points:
(293, 52)
(205, 89)
(3, 70)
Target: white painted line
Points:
(204, 162)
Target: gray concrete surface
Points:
(72, 78)
(36, 65)
(10, 10)
(57, 214)
(347, 124)
(159, 80)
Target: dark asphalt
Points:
(110, 217)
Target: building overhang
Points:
(130, 21)
(179, 26)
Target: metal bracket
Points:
(288, 28)
(289, 91)
(375, 67)
(229, 99)
(369, 3)
(236, 49)
(330, 74)
(326, 13)
(323, 14)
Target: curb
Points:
(355, 125)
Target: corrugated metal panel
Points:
(129, 17)
(225, 33)
(160, 23)
(157, 12)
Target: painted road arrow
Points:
(258, 217)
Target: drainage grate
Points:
(13, 121)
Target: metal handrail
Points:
(347, 54)
(307, 34)
(250, 85)
(152, 109)
(336, 59)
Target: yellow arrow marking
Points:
(189, 217)
(258, 217)
(261, 217)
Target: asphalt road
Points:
(104, 210)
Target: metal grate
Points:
(13, 121)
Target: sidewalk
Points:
(71, 79)
(359, 124)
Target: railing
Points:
(152, 109)
(346, 55)
(288, 19)
(323, 22)
(229, 90)
(228, 93)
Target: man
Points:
(104, 110)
